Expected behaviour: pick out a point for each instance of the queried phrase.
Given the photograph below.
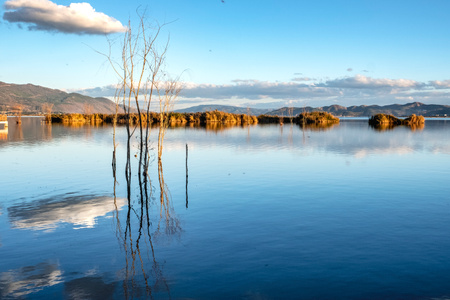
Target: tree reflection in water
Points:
(143, 273)
(171, 224)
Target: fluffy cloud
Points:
(78, 18)
(440, 84)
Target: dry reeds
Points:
(384, 121)
(78, 118)
(316, 117)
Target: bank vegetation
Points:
(176, 119)
(172, 118)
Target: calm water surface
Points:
(266, 212)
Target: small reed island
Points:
(305, 118)
(389, 121)
(316, 117)
(380, 119)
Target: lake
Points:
(259, 212)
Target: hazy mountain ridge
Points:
(399, 110)
(33, 97)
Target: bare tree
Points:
(291, 114)
(47, 110)
(168, 91)
(18, 111)
(141, 80)
(87, 108)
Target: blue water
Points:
(267, 212)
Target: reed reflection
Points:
(389, 127)
(30, 130)
(3, 127)
(318, 126)
(46, 131)
(4, 133)
(417, 127)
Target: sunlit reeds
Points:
(210, 119)
(3, 127)
(386, 122)
(414, 120)
(316, 117)
(79, 118)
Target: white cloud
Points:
(300, 79)
(361, 81)
(78, 18)
(440, 84)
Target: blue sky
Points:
(247, 53)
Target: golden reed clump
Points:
(384, 121)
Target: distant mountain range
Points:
(399, 110)
(32, 98)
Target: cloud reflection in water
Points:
(48, 214)
(27, 280)
(89, 288)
